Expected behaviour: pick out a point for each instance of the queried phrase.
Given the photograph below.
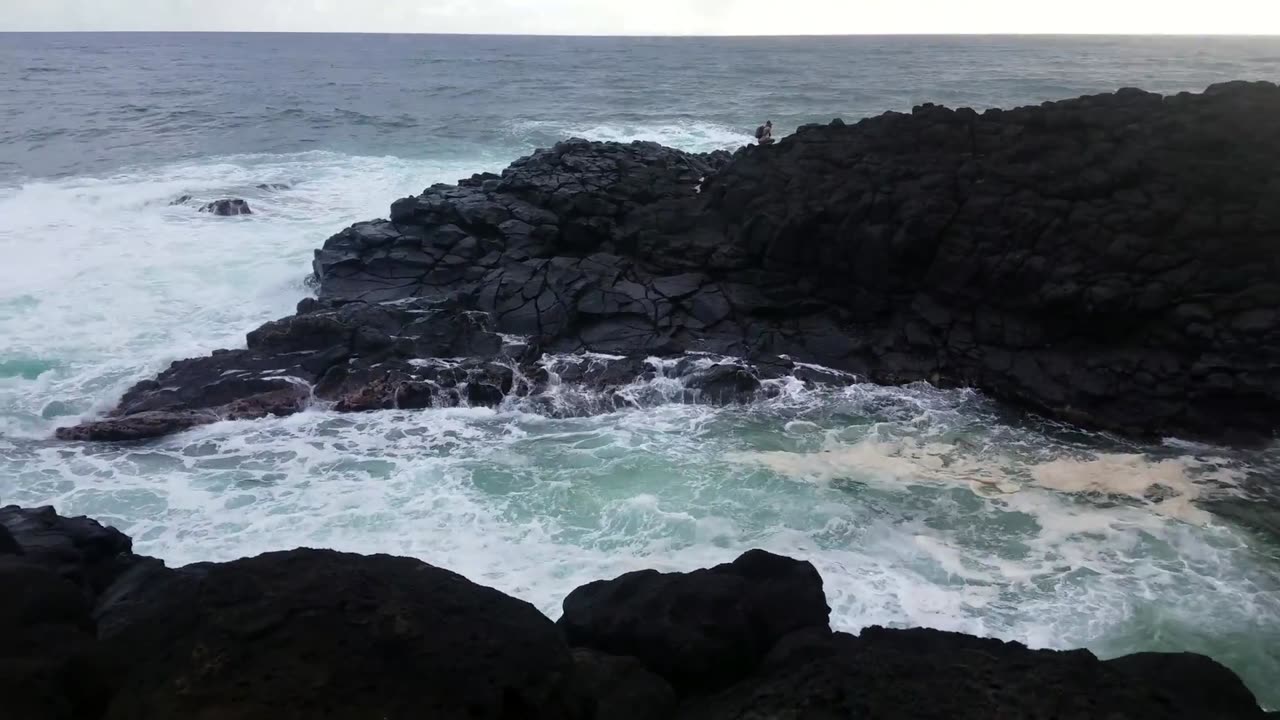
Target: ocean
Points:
(919, 506)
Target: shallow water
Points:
(919, 506)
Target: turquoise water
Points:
(919, 506)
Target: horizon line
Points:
(646, 35)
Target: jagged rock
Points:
(698, 630)
(228, 207)
(181, 200)
(137, 426)
(287, 399)
(724, 383)
(54, 567)
(1107, 260)
(78, 549)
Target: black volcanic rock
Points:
(621, 688)
(320, 634)
(931, 675)
(1192, 682)
(93, 632)
(79, 550)
(51, 573)
(227, 207)
(1108, 260)
(8, 545)
(698, 630)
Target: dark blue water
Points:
(90, 103)
(919, 506)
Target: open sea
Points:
(919, 506)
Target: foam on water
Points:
(919, 506)
(1168, 486)
(104, 281)
(690, 135)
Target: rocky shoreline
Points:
(93, 631)
(1108, 261)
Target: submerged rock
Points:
(1107, 260)
(228, 207)
(93, 631)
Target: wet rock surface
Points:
(1109, 261)
(93, 631)
(227, 208)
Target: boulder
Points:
(227, 207)
(77, 549)
(51, 667)
(320, 634)
(932, 675)
(698, 630)
(1195, 684)
(724, 383)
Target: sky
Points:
(653, 17)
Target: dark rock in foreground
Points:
(314, 633)
(699, 630)
(92, 631)
(926, 674)
(1110, 261)
(227, 208)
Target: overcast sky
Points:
(653, 17)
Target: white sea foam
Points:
(692, 136)
(105, 281)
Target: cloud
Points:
(651, 17)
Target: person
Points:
(764, 133)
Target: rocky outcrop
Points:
(92, 631)
(1108, 260)
(931, 675)
(227, 207)
(313, 633)
(698, 630)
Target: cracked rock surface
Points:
(1112, 261)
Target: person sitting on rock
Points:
(764, 133)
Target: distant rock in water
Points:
(273, 186)
(94, 631)
(227, 208)
(181, 200)
(1109, 261)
